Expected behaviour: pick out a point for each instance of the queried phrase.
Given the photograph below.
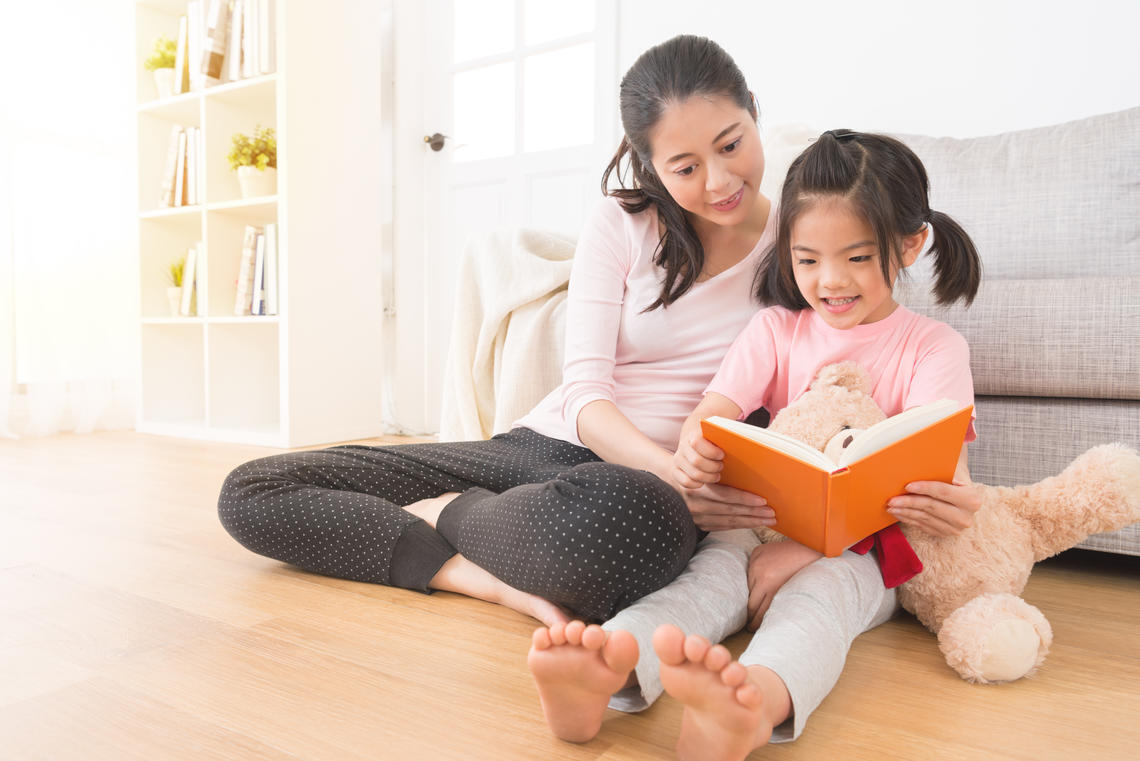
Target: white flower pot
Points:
(164, 82)
(257, 182)
(174, 296)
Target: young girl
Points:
(853, 213)
(575, 509)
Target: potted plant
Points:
(174, 290)
(161, 62)
(254, 157)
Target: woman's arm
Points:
(939, 508)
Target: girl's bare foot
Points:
(460, 575)
(577, 668)
(725, 717)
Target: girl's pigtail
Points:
(957, 266)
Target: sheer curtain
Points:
(68, 293)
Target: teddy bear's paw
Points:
(995, 638)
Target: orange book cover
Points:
(829, 507)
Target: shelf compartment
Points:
(229, 109)
(154, 131)
(162, 241)
(244, 376)
(173, 374)
(225, 229)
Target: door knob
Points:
(435, 141)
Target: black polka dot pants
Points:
(543, 515)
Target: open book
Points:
(829, 506)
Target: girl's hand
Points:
(697, 461)
(937, 508)
(717, 508)
(770, 566)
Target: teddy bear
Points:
(968, 592)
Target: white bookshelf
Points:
(312, 373)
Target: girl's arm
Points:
(697, 460)
(939, 508)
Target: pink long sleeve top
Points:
(654, 366)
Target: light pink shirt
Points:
(912, 360)
(653, 365)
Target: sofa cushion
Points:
(1067, 338)
(1061, 201)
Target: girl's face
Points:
(835, 260)
(707, 152)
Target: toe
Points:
(574, 631)
(717, 658)
(733, 674)
(558, 634)
(620, 651)
(540, 640)
(668, 643)
(748, 696)
(593, 637)
(696, 647)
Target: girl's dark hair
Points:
(670, 72)
(886, 184)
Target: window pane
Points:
(547, 20)
(558, 99)
(483, 27)
(485, 112)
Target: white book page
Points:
(778, 441)
(887, 432)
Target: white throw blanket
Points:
(507, 339)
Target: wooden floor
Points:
(133, 627)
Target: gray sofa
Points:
(1054, 331)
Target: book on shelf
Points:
(180, 171)
(181, 70)
(829, 506)
(233, 51)
(271, 268)
(256, 305)
(249, 39)
(242, 298)
(169, 169)
(216, 42)
(190, 278)
(191, 166)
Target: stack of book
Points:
(257, 272)
(223, 41)
(182, 171)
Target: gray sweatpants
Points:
(804, 637)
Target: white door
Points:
(524, 92)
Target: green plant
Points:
(174, 272)
(258, 149)
(165, 50)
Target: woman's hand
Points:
(937, 508)
(770, 566)
(717, 508)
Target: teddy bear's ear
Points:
(849, 375)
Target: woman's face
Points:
(707, 152)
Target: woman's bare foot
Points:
(460, 575)
(577, 668)
(725, 717)
(429, 509)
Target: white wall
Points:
(961, 68)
